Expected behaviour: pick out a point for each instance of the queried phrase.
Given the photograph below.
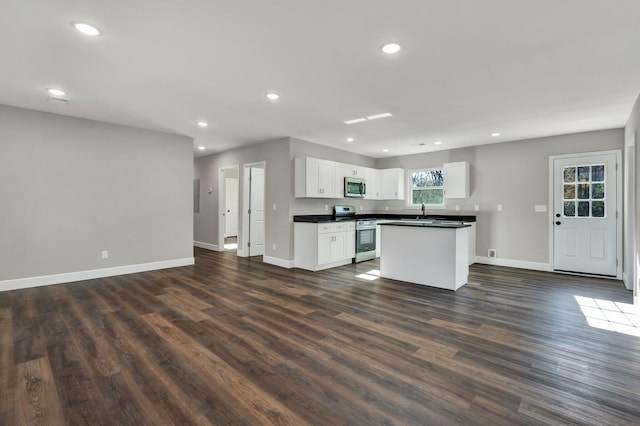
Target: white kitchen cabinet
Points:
(373, 179)
(323, 245)
(349, 170)
(315, 178)
(456, 179)
(392, 184)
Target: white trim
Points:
(625, 280)
(68, 277)
(278, 262)
(619, 195)
(222, 202)
(207, 246)
(511, 263)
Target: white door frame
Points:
(619, 211)
(243, 231)
(221, 204)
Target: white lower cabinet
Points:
(323, 245)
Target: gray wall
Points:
(514, 174)
(70, 188)
(632, 208)
(278, 187)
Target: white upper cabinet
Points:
(315, 178)
(456, 179)
(392, 184)
(373, 180)
(349, 170)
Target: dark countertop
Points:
(324, 218)
(427, 225)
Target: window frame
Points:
(411, 188)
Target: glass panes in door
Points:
(584, 191)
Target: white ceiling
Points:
(467, 68)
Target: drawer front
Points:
(323, 228)
(351, 226)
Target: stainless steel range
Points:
(365, 232)
(365, 240)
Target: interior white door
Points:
(231, 207)
(257, 215)
(584, 214)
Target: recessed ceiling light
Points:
(203, 124)
(437, 143)
(355, 120)
(201, 148)
(273, 96)
(56, 92)
(385, 150)
(350, 139)
(391, 48)
(86, 29)
(375, 117)
(495, 134)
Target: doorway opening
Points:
(228, 208)
(252, 238)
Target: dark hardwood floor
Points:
(235, 341)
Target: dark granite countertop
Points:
(427, 225)
(324, 218)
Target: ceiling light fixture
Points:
(57, 92)
(495, 134)
(203, 124)
(355, 120)
(375, 117)
(350, 139)
(385, 150)
(437, 143)
(86, 29)
(391, 48)
(371, 117)
(273, 96)
(201, 148)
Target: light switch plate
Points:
(540, 208)
(476, 207)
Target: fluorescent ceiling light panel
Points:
(273, 96)
(201, 148)
(356, 120)
(495, 134)
(203, 124)
(375, 117)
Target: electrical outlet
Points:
(105, 254)
(273, 246)
(326, 207)
(457, 207)
(492, 253)
(275, 207)
(476, 207)
(386, 208)
(499, 207)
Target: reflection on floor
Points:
(231, 243)
(608, 315)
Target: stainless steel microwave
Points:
(355, 187)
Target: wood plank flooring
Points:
(235, 341)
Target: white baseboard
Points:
(278, 262)
(206, 246)
(627, 282)
(535, 266)
(68, 277)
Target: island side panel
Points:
(436, 257)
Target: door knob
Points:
(558, 222)
(557, 214)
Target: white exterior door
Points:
(257, 215)
(584, 214)
(231, 207)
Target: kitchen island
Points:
(428, 253)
